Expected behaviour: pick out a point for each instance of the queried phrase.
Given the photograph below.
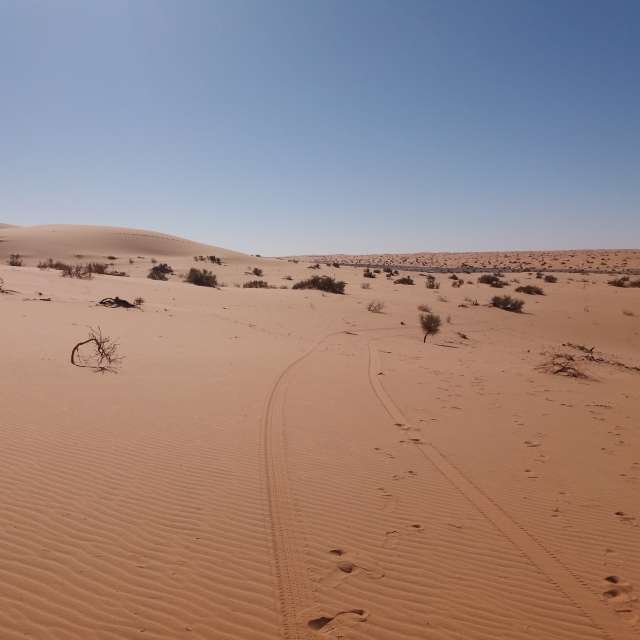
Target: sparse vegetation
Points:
(430, 323)
(623, 281)
(368, 274)
(375, 306)
(507, 303)
(201, 278)
(255, 284)
(404, 280)
(138, 302)
(15, 260)
(550, 278)
(257, 272)
(531, 290)
(322, 283)
(79, 271)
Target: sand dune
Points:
(277, 463)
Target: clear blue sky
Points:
(296, 126)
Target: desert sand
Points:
(592, 261)
(277, 463)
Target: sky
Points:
(313, 126)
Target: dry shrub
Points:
(404, 280)
(507, 303)
(531, 290)
(430, 323)
(256, 284)
(97, 352)
(322, 283)
(201, 278)
(375, 306)
(561, 363)
(160, 272)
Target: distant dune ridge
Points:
(62, 241)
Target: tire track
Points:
(574, 589)
(290, 567)
(294, 592)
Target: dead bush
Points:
(97, 352)
(375, 306)
(322, 283)
(507, 303)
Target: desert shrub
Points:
(376, 271)
(335, 264)
(430, 323)
(79, 271)
(619, 282)
(530, 289)
(634, 283)
(456, 284)
(138, 302)
(51, 264)
(255, 284)
(160, 271)
(453, 276)
(375, 306)
(15, 260)
(492, 279)
(368, 274)
(550, 278)
(431, 282)
(214, 260)
(365, 285)
(257, 272)
(404, 280)
(322, 283)
(201, 277)
(98, 352)
(507, 303)
(314, 266)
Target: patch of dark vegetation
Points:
(78, 271)
(15, 260)
(551, 279)
(314, 266)
(201, 278)
(507, 303)
(404, 280)
(531, 290)
(493, 280)
(256, 271)
(255, 284)
(322, 283)
(160, 271)
(368, 274)
(430, 323)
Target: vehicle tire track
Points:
(293, 588)
(571, 585)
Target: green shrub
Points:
(201, 278)
(507, 303)
(322, 283)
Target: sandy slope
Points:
(278, 463)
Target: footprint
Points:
(350, 564)
(327, 624)
(619, 594)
